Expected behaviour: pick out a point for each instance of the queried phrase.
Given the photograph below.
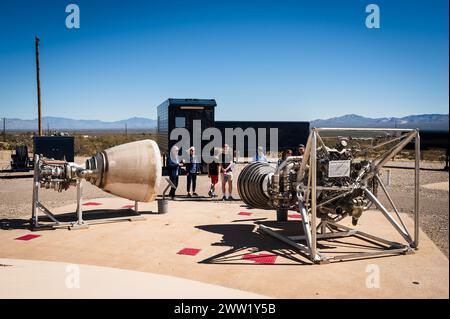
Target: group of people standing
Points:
(286, 153)
(222, 165)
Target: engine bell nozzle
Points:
(131, 170)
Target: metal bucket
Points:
(162, 206)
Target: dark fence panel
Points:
(290, 134)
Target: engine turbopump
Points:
(339, 168)
(262, 186)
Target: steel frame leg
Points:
(80, 223)
(416, 190)
(34, 210)
(313, 172)
(388, 216)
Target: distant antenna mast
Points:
(126, 130)
(38, 80)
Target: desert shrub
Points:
(86, 146)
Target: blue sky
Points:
(261, 60)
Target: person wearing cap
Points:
(173, 165)
(192, 169)
(301, 150)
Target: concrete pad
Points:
(224, 237)
(45, 279)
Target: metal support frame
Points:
(327, 229)
(80, 223)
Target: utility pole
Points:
(126, 130)
(38, 80)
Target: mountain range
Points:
(437, 122)
(62, 123)
(434, 122)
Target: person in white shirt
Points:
(260, 156)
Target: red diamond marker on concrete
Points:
(261, 258)
(245, 213)
(27, 237)
(189, 251)
(92, 204)
(266, 259)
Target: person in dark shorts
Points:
(213, 174)
(301, 150)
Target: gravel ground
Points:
(434, 203)
(16, 194)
